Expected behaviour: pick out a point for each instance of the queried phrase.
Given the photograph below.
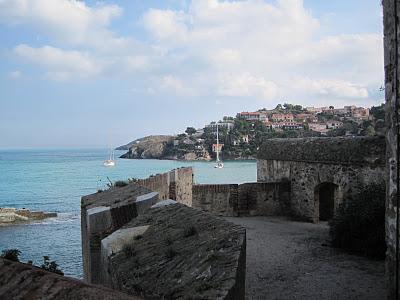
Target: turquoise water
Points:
(55, 180)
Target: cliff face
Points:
(148, 147)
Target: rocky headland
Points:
(164, 147)
(9, 216)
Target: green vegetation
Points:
(359, 223)
(11, 254)
(120, 183)
(48, 265)
(244, 137)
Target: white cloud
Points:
(60, 62)
(331, 88)
(175, 86)
(246, 85)
(263, 46)
(15, 74)
(67, 21)
(240, 49)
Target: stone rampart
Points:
(321, 168)
(256, 199)
(105, 212)
(339, 150)
(175, 184)
(22, 281)
(168, 253)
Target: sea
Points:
(55, 180)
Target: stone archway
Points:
(326, 200)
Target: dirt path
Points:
(292, 260)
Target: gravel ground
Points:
(293, 260)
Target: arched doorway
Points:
(326, 195)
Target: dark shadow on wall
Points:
(326, 200)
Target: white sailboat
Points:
(110, 162)
(219, 163)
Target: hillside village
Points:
(241, 136)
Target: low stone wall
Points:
(176, 252)
(22, 281)
(256, 199)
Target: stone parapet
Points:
(339, 150)
(176, 252)
(22, 281)
(105, 212)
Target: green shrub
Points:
(11, 254)
(120, 183)
(50, 266)
(359, 223)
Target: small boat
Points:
(219, 163)
(110, 162)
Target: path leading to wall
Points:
(292, 260)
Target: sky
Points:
(88, 74)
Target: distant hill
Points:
(148, 147)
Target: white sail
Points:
(110, 162)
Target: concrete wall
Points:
(391, 73)
(305, 177)
(256, 199)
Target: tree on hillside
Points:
(190, 130)
(378, 112)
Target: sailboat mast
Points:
(217, 144)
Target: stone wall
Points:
(175, 184)
(305, 177)
(105, 212)
(392, 95)
(22, 281)
(338, 150)
(176, 252)
(256, 199)
(346, 170)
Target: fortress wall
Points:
(348, 164)
(219, 199)
(183, 185)
(105, 212)
(23, 281)
(305, 177)
(158, 183)
(339, 150)
(391, 90)
(175, 184)
(256, 199)
(167, 253)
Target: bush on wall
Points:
(359, 223)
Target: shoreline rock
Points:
(10, 216)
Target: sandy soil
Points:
(292, 260)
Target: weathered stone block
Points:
(184, 253)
